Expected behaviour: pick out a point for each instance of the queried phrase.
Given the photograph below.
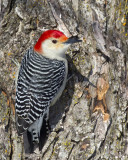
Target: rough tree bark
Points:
(90, 121)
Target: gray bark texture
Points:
(90, 121)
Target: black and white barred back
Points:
(38, 82)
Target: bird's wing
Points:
(39, 81)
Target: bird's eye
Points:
(54, 41)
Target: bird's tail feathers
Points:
(44, 132)
(33, 139)
(21, 125)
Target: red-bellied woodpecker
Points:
(41, 81)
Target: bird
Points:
(41, 80)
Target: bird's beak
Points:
(73, 39)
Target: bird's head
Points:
(53, 44)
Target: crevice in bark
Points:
(70, 152)
(126, 74)
(103, 142)
(92, 156)
(11, 141)
(107, 58)
(126, 26)
(10, 5)
(54, 143)
(106, 25)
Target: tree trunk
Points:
(90, 121)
